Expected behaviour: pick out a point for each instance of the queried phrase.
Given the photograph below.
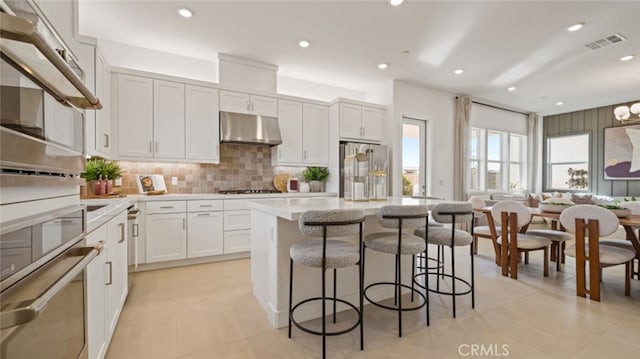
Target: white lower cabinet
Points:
(106, 284)
(166, 237)
(237, 226)
(204, 234)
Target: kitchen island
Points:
(274, 224)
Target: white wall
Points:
(138, 58)
(437, 108)
(314, 90)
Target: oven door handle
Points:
(29, 312)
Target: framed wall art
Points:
(622, 152)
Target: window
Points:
(568, 162)
(496, 161)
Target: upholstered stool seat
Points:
(387, 242)
(339, 254)
(325, 253)
(442, 236)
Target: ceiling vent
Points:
(609, 40)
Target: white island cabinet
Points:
(274, 228)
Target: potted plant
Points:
(316, 176)
(99, 169)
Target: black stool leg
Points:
(324, 319)
(290, 292)
(362, 252)
(335, 273)
(395, 292)
(399, 291)
(426, 281)
(453, 279)
(413, 273)
(438, 269)
(473, 284)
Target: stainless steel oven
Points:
(42, 297)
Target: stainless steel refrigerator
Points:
(377, 164)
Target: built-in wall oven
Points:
(42, 297)
(43, 253)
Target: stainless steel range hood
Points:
(33, 48)
(252, 129)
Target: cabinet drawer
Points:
(237, 220)
(235, 204)
(204, 206)
(237, 241)
(166, 207)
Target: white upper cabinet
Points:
(133, 106)
(98, 138)
(315, 134)
(103, 116)
(168, 119)
(290, 123)
(350, 120)
(202, 124)
(360, 123)
(239, 102)
(305, 134)
(372, 123)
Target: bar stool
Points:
(328, 254)
(451, 213)
(401, 242)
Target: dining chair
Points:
(634, 206)
(512, 216)
(483, 231)
(594, 222)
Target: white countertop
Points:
(111, 208)
(291, 208)
(212, 196)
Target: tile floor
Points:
(208, 311)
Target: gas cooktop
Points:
(247, 191)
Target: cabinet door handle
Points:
(204, 214)
(110, 282)
(156, 146)
(205, 205)
(106, 140)
(304, 157)
(151, 146)
(184, 224)
(135, 230)
(248, 108)
(165, 207)
(122, 236)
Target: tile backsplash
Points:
(241, 167)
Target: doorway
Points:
(414, 157)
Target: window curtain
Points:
(533, 147)
(461, 149)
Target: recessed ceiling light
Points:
(626, 58)
(575, 27)
(184, 12)
(458, 71)
(383, 66)
(559, 103)
(304, 43)
(396, 2)
(512, 88)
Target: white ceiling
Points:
(499, 44)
